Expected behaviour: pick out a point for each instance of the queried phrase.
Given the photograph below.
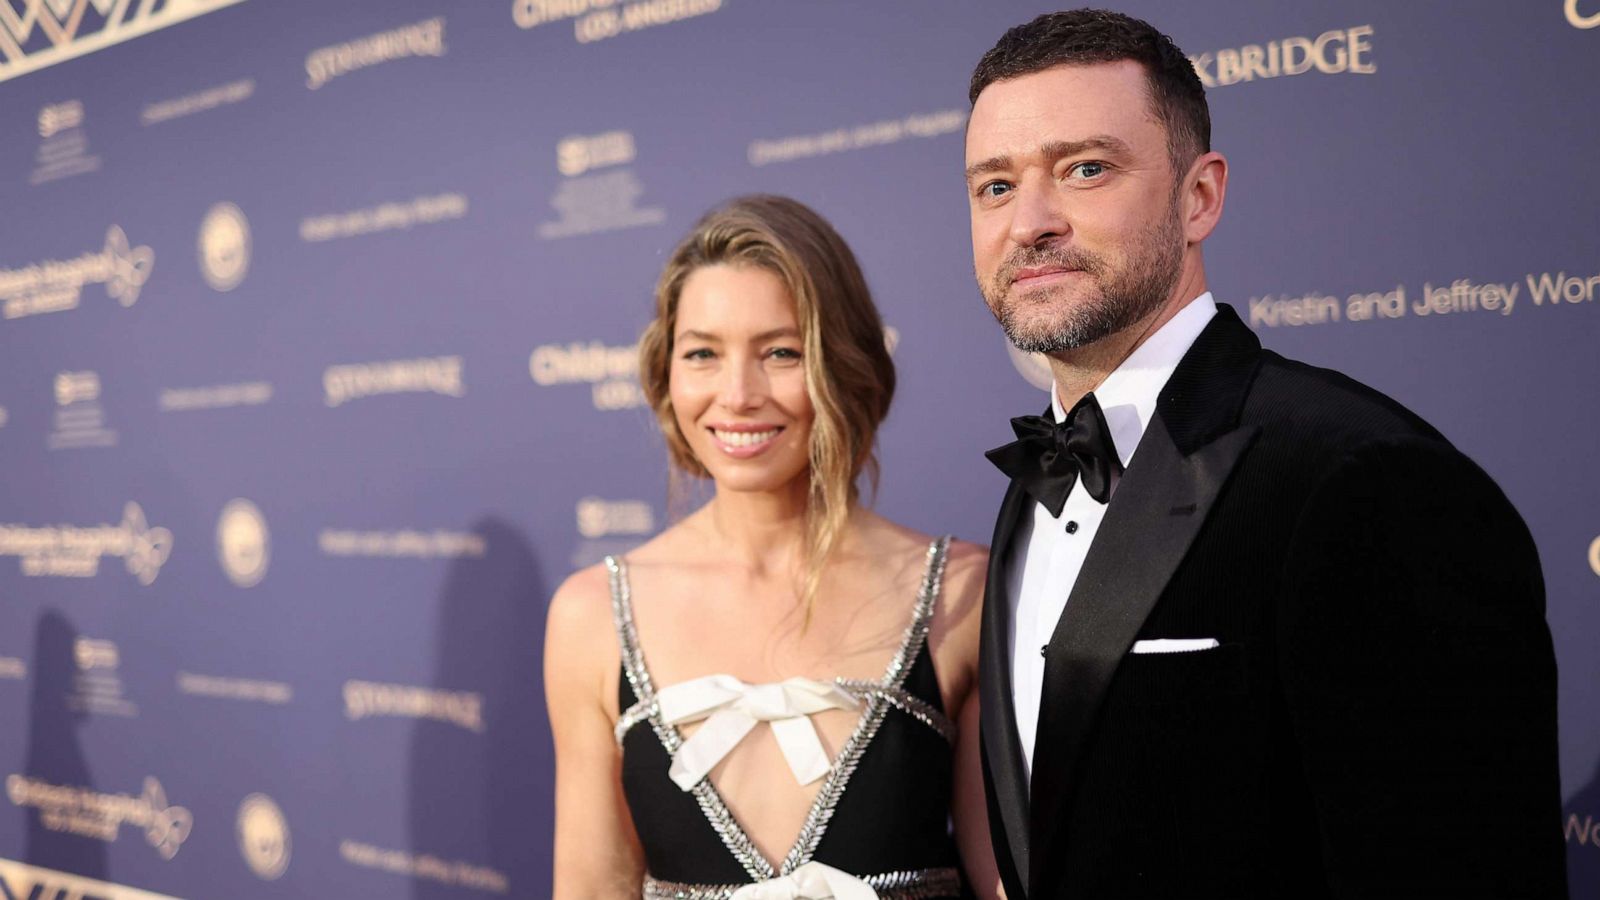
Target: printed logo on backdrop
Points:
(1461, 296)
(64, 148)
(392, 216)
(596, 20)
(425, 38)
(74, 552)
(46, 32)
(429, 375)
(4, 417)
(610, 528)
(1346, 51)
(56, 285)
(217, 396)
(20, 881)
(249, 690)
(404, 544)
(594, 203)
(242, 543)
(13, 668)
(96, 687)
(198, 102)
(612, 372)
(224, 246)
(1579, 20)
(263, 837)
(425, 867)
(367, 699)
(881, 133)
(86, 812)
(80, 421)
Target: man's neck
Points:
(1082, 369)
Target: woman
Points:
(776, 697)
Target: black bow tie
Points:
(1048, 457)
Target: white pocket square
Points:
(1175, 645)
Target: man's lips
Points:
(1041, 274)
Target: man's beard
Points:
(1117, 298)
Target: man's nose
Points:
(1037, 213)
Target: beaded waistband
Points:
(923, 884)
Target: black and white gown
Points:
(879, 826)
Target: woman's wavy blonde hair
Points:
(849, 375)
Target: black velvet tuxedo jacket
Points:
(1379, 719)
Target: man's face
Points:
(1075, 224)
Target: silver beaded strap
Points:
(905, 701)
(923, 884)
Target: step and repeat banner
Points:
(317, 366)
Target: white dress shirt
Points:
(1046, 551)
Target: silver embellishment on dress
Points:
(905, 701)
(922, 884)
(832, 790)
(635, 714)
(844, 766)
(711, 804)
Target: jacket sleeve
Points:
(1420, 680)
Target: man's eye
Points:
(1088, 170)
(994, 189)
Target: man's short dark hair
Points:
(1086, 36)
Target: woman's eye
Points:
(786, 353)
(699, 354)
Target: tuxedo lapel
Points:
(1002, 751)
(1182, 463)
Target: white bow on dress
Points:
(731, 708)
(812, 881)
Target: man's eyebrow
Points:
(1056, 150)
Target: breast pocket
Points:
(1186, 678)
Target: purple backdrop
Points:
(316, 372)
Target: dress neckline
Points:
(878, 697)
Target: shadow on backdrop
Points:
(55, 753)
(490, 793)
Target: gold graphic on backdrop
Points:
(22, 880)
(1346, 51)
(4, 417)
(224, 246)
(1578, 20)
(767, 151)
(55, 285)
(390, 216)
(425, 38)
(86, 812)
(243, 543)
(263, 836)
(593, 204)
(424, 866)
(97, 687)
(612, 372)
(596, 20)
(429, 375)
(64, 152)
(71, 551)
(364, 699)
(53, 29)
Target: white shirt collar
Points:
(1128, 395)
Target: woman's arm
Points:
(597, 854)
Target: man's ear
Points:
(1205, 188)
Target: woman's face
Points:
(738, 382)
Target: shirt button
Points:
(1043, 649)
(1072, 528)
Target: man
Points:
(1252, 628)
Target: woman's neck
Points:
(764, 531)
